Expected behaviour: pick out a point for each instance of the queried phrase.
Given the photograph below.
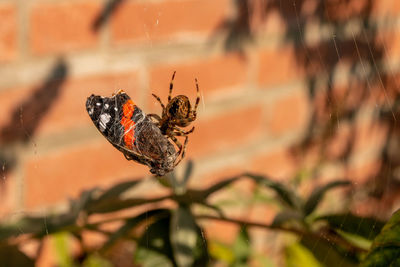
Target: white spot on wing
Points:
(115, 108)
(91, 111)
(104, 119)
(98, 104)
(106, 106)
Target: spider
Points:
(178, 113)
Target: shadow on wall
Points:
(237, 29)
(27, 115)
(359, 50)
(104, 16)
(336, 105)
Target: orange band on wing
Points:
(128, 123)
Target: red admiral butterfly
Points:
(132, 132)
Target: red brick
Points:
(385, 8)
(371, 134)
(288, 113)
(278, 66)
(362, 172)
(213, 74)
(261, 213)
(307, 156)
(389, 41)
(94, 240)
(220, 231)
(340, 142)
(225, 131)
(162, 20)
(345, 10)
(272, 24)
(8, 101)
(8, 32)
(61, 27)
(379, 207)
(340, 99)
(8, 192)
(67, 109)
(277, 164)
(65, 173)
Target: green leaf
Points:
(356, 240)
(221, 252)
(319, 193)
(382, 257)
(109, 200)
(235, 255)
(287, 216)
(183, 236)
(170, 181)
(260, 259)
(25, 225)
(165, 180)
(385, 250)
(329, 254)
(116, 204)
(298, 256)
(11, 256)
(180, 184)
(366, 227)
(242, 248)
(154, 247)
(218, 186)
(63, 254)
(77, 205)
(95, 260)
(118, 189)
(131, 223)
(288, 196)
(215, 208)
(188, 173)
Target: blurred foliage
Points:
(174, 237)
(385, 250)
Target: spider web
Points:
(365, 67)
(366, 71)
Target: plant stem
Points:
(331, 237)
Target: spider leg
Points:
(185, 121)
(179, 132)
(193, 112)
(182, 149)
(197, 97)
(176, 141)
(159, 101)
(155, 116)
(171, 85)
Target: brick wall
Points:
(286, 86)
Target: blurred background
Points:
(303, 91)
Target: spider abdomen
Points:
(178, 107)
